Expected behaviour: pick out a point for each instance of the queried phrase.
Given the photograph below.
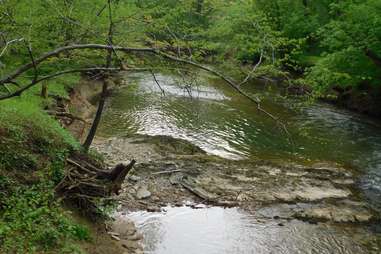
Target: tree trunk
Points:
(44, 90)
(98, 116)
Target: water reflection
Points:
(225, 124)
(217, 230)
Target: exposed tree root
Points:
(86, 182)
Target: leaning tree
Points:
(85, 181)
(113, 63)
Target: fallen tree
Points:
(11, 78)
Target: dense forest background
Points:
(327, 44)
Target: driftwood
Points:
(85, 182)
(167, 172)
(205, 196)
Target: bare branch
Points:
(29, 47)
(157, 82)
(157, 52)
(101, 10)
(176, 39)
(8, 90)
(9, 43)
(252, 71)
(56, 53)
(100, 69)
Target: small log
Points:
(199, 192)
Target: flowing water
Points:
(217, 230)
(212, 116)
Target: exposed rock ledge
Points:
(173, 171)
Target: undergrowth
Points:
(33, 149)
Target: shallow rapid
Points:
(216, 230)
(213, 117)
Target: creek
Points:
(213, 117)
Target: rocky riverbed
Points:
(176, 173)
(270, 205)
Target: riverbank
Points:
(34, 150)
(115, 236)
(363, 99)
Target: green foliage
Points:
(33, 149)
(32, 221)
(346, 39)
(28, 135)
(327, 39)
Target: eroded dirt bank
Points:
(118, 237)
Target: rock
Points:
(179, 204)
(134, 178)
(336, 213)
(124, 228)
(274, 171)
(363, 217)
(176, 178)
(153, 209)
(296, 174)
(317, 193)
(199, 206)
(143, 193)
(128, 244)
(243, 197)
(169, 166)
(331, 167)
(136, 237)
(344, 181)
(312, 193)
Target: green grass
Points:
(33, 148)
